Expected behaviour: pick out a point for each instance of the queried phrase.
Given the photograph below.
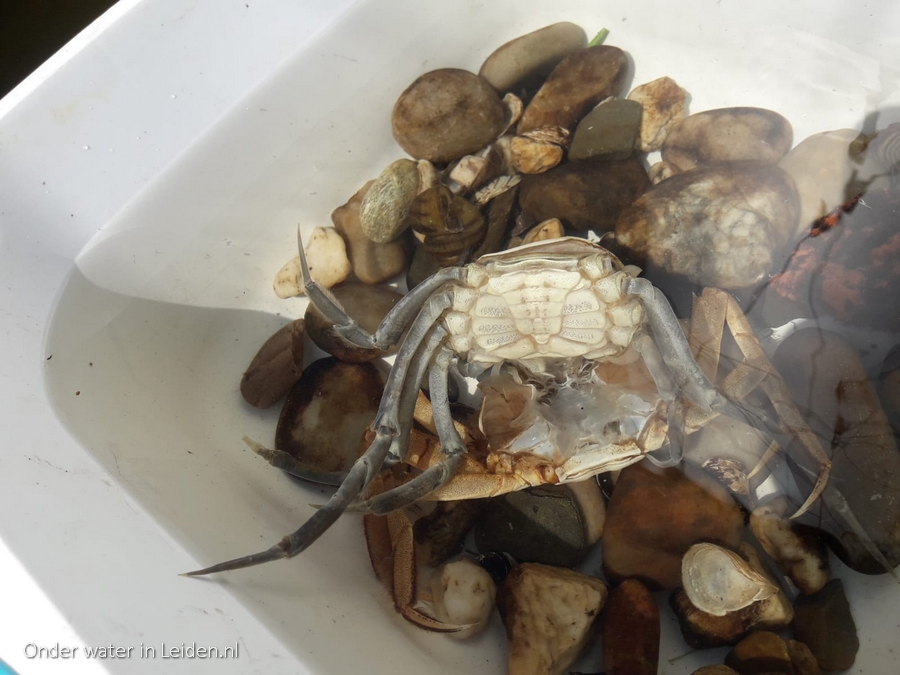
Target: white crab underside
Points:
(542, 306)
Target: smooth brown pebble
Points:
(631, 630)
(802, 659)
(537, 52)
(423, 265)
(325, 416)
(585, 195)
(446, 114)
(656, 515)
(372, 263)
(276, 367)
(367, 305)
(578, 83)
(727, 135)
(760, 652)
(824, 623)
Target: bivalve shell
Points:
(718, 581)
(451, 227)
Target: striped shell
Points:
(449, 226)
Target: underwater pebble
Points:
(533, 54)
(824, 374)
(718, 226)
(797, 549)
(276, 367)
(802, 658)
(367, 305)
(463, 595)
(423, 265)
(578, 83)
(440, 534)
(585, 195)
(609, 131)
(664, 104)
(823, 623)
(656, 515)
(447, 113)
(631, 630)
(727, 135)
(549, 614)
(849, 271)
(372, 263)
(326, 256)
(717, 669)
(759, 653)
(547, 524)
(326, 414)
(823, 169)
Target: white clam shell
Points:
(718, 581)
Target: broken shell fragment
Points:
(533, 156)
(718, 581)
(549, 229)
(468, 170)
(383, 209)
(496, 187)
(326, 254)
(463, 594)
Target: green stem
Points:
(598, 38)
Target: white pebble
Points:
(326, 255)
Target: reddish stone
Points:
(656, 515)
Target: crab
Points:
(545, 309)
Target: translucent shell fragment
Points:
(718, 581)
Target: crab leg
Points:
(392, 326)
(720, 307)
(452, 448)
(673, 346)
(387, 427)
(668, 392)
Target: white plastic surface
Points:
(149, 190)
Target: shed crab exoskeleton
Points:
(546, 307)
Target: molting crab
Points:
(545, 311)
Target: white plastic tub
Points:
(150, 184)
